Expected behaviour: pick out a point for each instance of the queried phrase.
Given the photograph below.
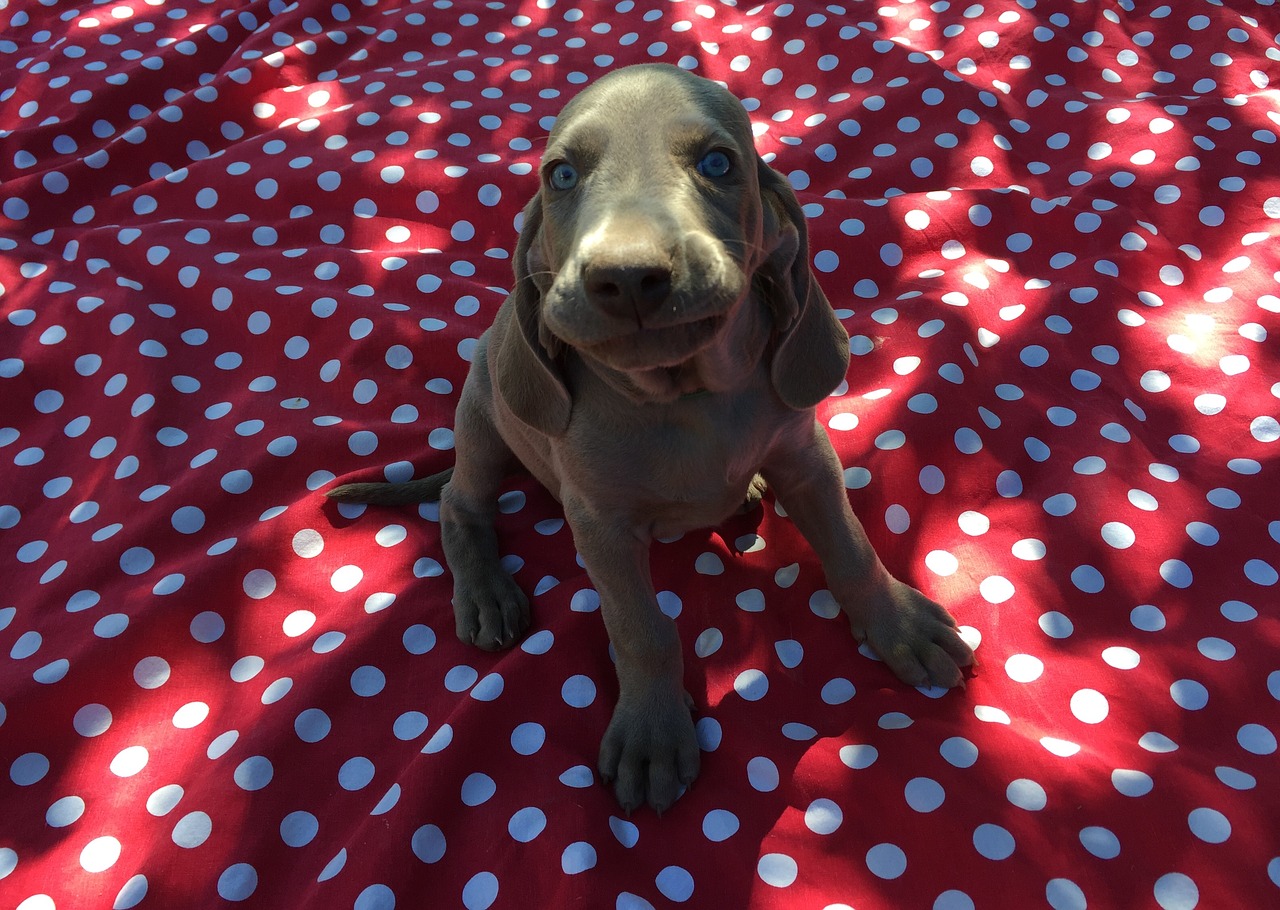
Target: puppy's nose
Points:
(628, 290)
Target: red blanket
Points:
(247, 248)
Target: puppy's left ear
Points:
(811, 355)
(527, 376)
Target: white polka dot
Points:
(524, 826)
(578, 691)
(924, 794)
(192, 830)
(859, 756)
(298, 829)
(762, 774)
(1147, 618)
(1216, 649)
(823, 816)
(478, 788)
(1131, 783)
(259, 584)
(131, 894)
(345, 578)
(993, 842)
(752, 685)
(1265, 429)
(708, 643)
(1209, 825)
(254, 773)
(1257, 739)
(208, 627)
(959, 752)
(675, 884)
(1261, 573)
(63, 812)
(1176, 572)
(951, 900)
(312, 725)
(163, 800)
(1176, 891)
(367, 681)
(489, 688)
(894, 720)
(92, 720)
(940, 562)
(974, 524)
(719, 825)
(298, 623)
(308, 543)
(1089, 706)
(130, 761)
(838, 691)
(190, 715)
(777, 869)
(1087, 579)
(375, 897)
(886, 861)
(1063, 748)
(356, 773)
(996, 589)
(1024, 668)
(1118, 534)
(1121, 658)
(1101, 842)
(1029, 549)
(100, 854)
(238, 882)
(1026, 794)
(428, 843)
(1157, 742)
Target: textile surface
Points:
(246, 249)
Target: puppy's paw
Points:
(915, 636)
(755, 492)
(491, 612)
(650, 750)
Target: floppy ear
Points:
(811, 354)
(527, 378)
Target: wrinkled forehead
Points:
(637, 104)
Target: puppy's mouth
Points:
(660, 346)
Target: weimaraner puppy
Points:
(655, 366)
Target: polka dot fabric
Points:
(246, 248)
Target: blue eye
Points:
(714, 164)
(563, 177)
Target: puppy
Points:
(658, 363)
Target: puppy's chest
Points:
(691, 469)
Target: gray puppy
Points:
(655, 366)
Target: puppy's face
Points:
(651, 219)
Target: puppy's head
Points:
(655, 224)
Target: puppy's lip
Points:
(667, 345)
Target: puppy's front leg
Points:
(650, 750)
(489, 609)
(915, 636)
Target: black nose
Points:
(627, 290)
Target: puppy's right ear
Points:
(528, 378)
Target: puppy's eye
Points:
(563, 176)
(714, 164)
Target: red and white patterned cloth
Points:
(247, 247)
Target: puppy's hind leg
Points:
(489, 609)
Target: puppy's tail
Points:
(426, 489)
